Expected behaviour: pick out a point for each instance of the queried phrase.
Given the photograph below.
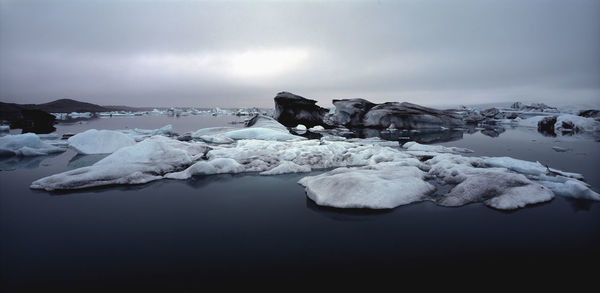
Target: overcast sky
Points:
(190, 53)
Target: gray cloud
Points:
(192, 53)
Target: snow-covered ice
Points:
(140, 163)
(417, 147)
(28, 144)
(382, 186)
(99, 141)
(371, 173)
(316, 128)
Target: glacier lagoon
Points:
(181, 234)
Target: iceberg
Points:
(317, 128)
(364, 174)
(99, 141)
(143, 162)
(259, 127)
(414, 146)
(383, 186)
(28, 144)
(141, 134)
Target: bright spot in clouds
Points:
(256, 63)
(267, 62)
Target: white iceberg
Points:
(317, 128)
(28, 144)
(301, 127)
(414, 146)
(286, 167)
(4, 128)
(216, 166)
(577, 122)
(140, 163)
(382, 186)
(368, 175)
(218, 139)
(259, 127)
(141, 134)
(99, 141)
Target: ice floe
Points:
(140, 163)
(382, 186)
(414, 146)
(28, 144)
(371, 173)
(99, 141)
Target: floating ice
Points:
(99, 141)
(316, 128)
(140, 163)
(218, 139)
(4, 128)
(259, 127)
(216, 166)
(577, 123)
(368, 175)
(414, 146)
(301, 127)
(141, 134)
(287, 167)
(25, 145)
(382, 186)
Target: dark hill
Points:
(68, 105)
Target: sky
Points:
(242, 53)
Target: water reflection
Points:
(345, 215)
(18, 162)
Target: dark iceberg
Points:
(291, 110)
(409, 116)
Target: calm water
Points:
(181, 236)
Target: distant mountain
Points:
(68, 105)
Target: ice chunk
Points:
(316, 128)
(99, 141)
(140, 163)
(526, 167)
(216, 166)
(498, 189)
(572, 188)
(532, 121)
(560, 149)
(218, 139)
(28, 144)
(568, 122)
(4, 128)
(367, 187)
(301, 127)
(165, 130)
(287, 167)
(261, 133)
(259, 127)
(414, 146)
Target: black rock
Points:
(291, 110)
(409, 116)
(350, 112)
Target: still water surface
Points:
(178, 236)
